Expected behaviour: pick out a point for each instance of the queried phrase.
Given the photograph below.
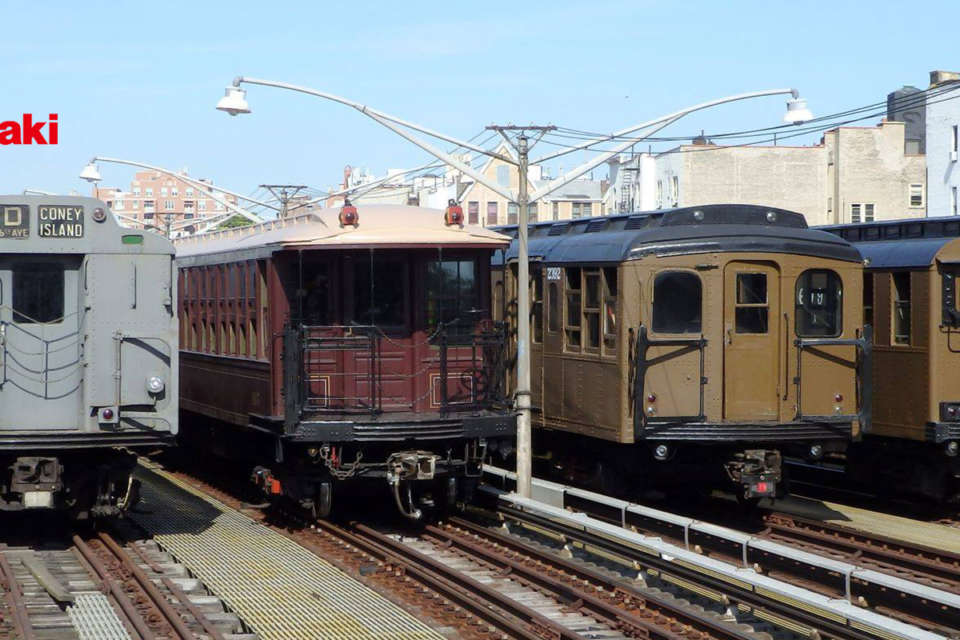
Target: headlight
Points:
(155, 384)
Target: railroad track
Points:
(92, 586)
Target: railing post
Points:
(443, 369)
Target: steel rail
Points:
(14, 596)
(119, 595)
(420, 568)
(593, 604)
(587, 574)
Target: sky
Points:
(140, 80)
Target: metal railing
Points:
(864, 368)
(641, 364)
(316, 382)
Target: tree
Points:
(234, 222)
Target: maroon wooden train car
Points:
(344, 344)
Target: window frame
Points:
(32, 267)
(839, 310)
(653, 300)
(737, 305)
(915, 189)
(568, 291)
(897, 303)
(608, 302)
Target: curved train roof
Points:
(67, 224)
(686, 230)
(382, 226)
(904, 244)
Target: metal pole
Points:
(524, 435)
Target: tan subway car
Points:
(910, 296)
(691, 345)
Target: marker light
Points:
(107, 414)
(838, 397)
(453, 214)
(155, 384)
(99, 215)
(349, 215)
(652, 397)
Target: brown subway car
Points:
(910, 297)
(691, 345)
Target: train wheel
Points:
(323, 501)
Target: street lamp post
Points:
(91, 174)
(234, 102)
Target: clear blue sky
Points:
(140, 80)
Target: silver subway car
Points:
(88, 353)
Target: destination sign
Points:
(58, 221)
(15, 221)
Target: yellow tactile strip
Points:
(283, 591)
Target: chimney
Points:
(942, 77)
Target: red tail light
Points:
(349, 215)
(453, 214)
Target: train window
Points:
(751, 314)
(556, 307)
(452, 295)
(591, 307)
(573, 298)
(609, 310)
(677, 302)
(901, 308)
(316, 293)
(868, 298)
(536, 305)
(379, 296)
(38, 294)
(819, 304)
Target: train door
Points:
(751, 354)
(40, 342)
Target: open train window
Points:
(901, 308)
(38, 294)
(555, 304)
(752, 310)
(677, 302)
(950, 306)
(536, 304)
(452, 295)
(868, 298)
(591, 308)
(819, 304)
(609, 310)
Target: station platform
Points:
(929, 534)
(280, 589)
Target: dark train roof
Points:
(900, 244)
(686, 230)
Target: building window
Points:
(854, 213)
(38, 292)
(587, 209)
(118, 205)
(149, 191)
(473, 212)
(556, 210)
(148, 205)
(163, 191)
(202, 205)
(677, 301)
(675, 190)
(532, 211)
(830, 204)
(174, 191)
(901, 307)
(868, 213)
(573, 299)
(752, 307)
(148, 216)
(953, 201)
(867, 210)
(136, 191)
(576, 209)
(491, 213)
(168, 205)
(955, 142)
(134, 204)
(189, 191)
(659, 194)
(512, 210)
(916, 195)
(503, 176)
(819, 306)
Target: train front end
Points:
(88, 354)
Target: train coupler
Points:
(37, 479)
(264, 479)
(411, 465)
(757, 471)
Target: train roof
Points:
(70, 224)
(380, 226)
(904, 244)
(685, 230)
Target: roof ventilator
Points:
(349, 215)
